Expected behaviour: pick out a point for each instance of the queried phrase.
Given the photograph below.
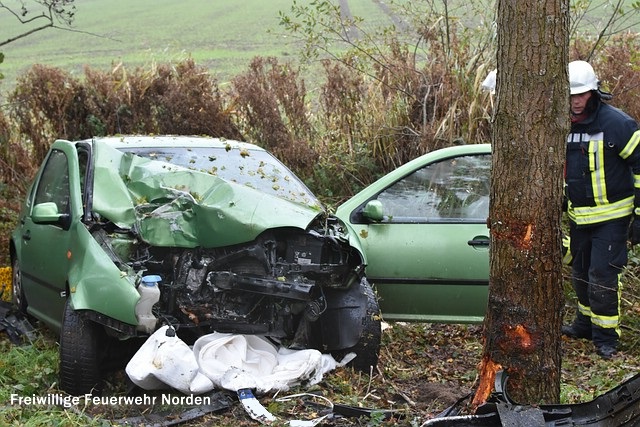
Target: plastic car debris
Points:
(618, 407)
(254, 408)
(15, 325)
(149, 295)
(220, 400)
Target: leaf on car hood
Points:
(168, 205)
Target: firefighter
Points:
(602, 185)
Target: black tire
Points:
(17, 291)
(81, 345)
(367, 349)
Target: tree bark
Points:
(522, 326)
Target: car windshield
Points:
(256, 169)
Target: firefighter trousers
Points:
(599, 256)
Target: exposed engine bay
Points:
(277, 285)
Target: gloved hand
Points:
(634, 230)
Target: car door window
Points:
(452, 190)
(54, 182)
(83, 160)
(83, 170)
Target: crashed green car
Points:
(121, 235)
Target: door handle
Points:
(479, 241)
(26, 235)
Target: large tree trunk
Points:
(522, 325)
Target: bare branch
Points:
(21, 16)
(603, 36)
(34, 30)
(61, 11)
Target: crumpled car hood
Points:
(171, 206)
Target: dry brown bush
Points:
(16, 166)
(618, 67)
(179, 99)
(15, 171)
(269, 100)
(345, 143)
(49, 103)
(39, 107)
(375, 119)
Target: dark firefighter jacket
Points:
(603, 167)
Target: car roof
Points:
(123, 141)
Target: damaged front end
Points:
(227, 256)
(275, 285)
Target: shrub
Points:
(270, 105)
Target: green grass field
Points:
(220, 35)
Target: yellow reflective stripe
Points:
(636, 181)
(596, 166)
(618, 330)
(631, 145)
(584, 310)
(593, 214)
(567, 257)
(606, 322)
(592, 158)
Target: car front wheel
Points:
(352, 324)
(367, 348)
(16, 285)
(80, 353)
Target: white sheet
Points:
(232, 362)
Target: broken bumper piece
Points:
(618, 407)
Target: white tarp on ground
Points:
(228, 361)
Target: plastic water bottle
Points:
(149, 295)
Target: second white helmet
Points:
(582, 78)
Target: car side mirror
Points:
(47, 213)
(373, 210)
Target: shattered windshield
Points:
(256, 169)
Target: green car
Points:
(423, 228)
(119, 236)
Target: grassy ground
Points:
(423, 369)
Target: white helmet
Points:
(582, 78)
